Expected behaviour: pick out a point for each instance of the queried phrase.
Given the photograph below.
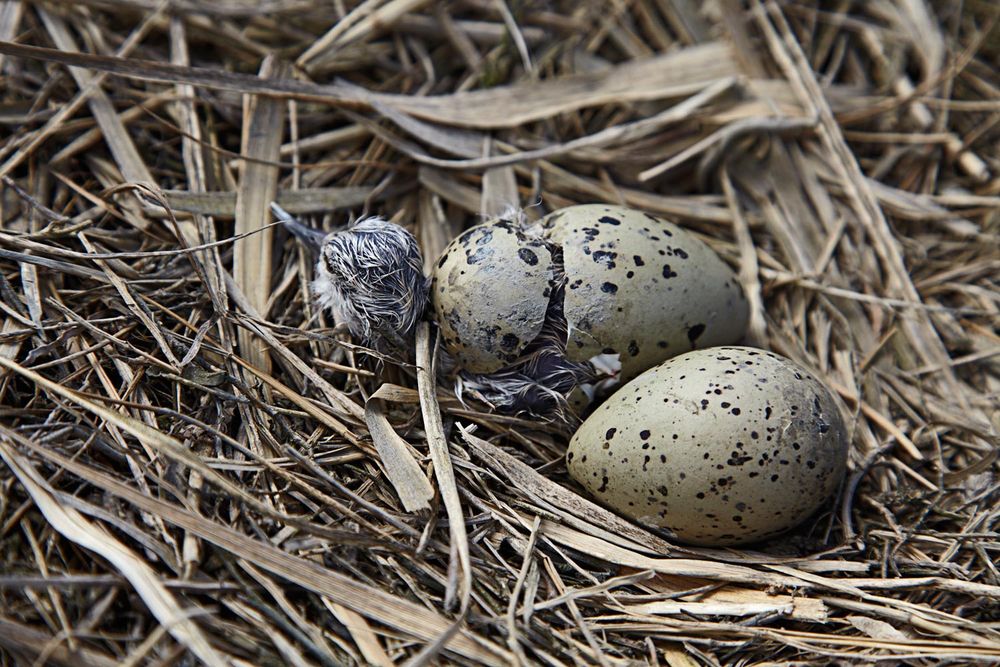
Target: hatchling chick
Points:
(370, 276)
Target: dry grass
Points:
(188, 470)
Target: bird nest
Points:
(197, 463)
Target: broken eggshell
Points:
(603, 285)
(641, 287)
(490, 291)
(721, 446)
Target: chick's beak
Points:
(312, 238)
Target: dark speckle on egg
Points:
(479, 255)
(606, 258)
(528, 256)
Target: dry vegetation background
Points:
(189, 469)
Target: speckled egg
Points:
(641, 287)
(592, 280)
(720, 446)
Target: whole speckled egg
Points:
(586, 281)
(720, 446)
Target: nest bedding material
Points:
(198, 466)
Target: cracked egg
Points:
(596, 285)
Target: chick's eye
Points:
(330, 261)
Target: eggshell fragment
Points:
(490, 293)
(641, 287)
(721, 446)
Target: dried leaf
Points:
(397, 460)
